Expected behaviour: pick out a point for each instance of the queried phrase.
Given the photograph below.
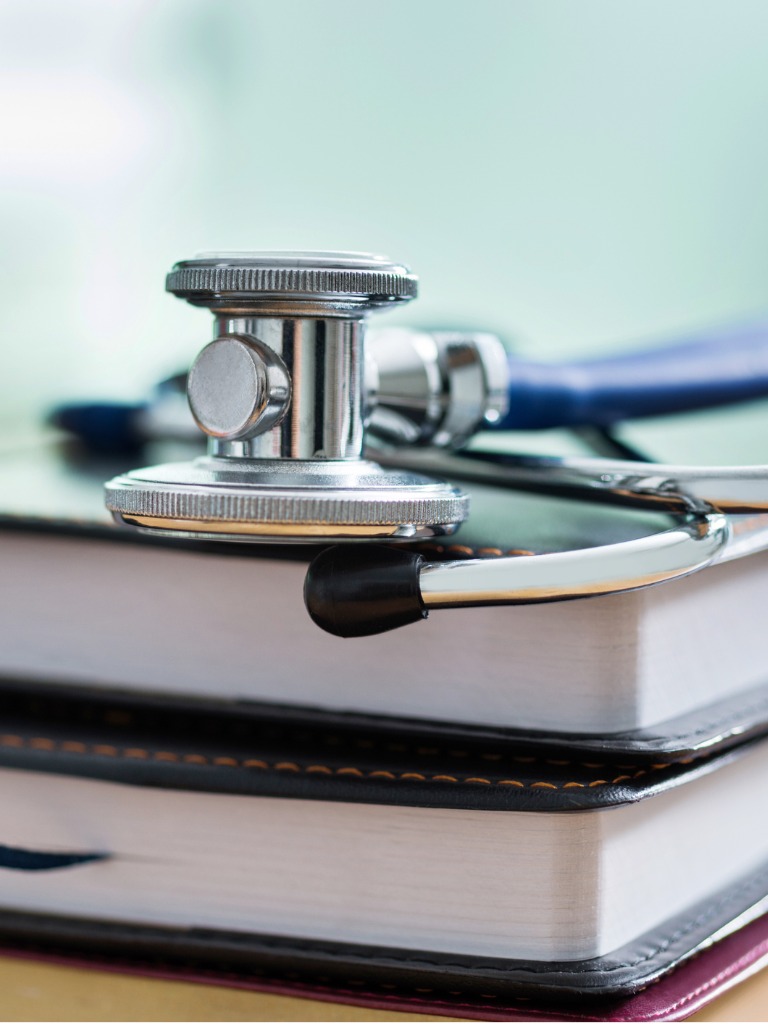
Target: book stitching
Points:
(141, 753)
(124, 717)
(720, 723)
(740, 717)
(422, 751)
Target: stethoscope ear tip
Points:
(360, 590)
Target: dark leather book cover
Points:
(163, 748)
(677, 995)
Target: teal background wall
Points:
(576, 175)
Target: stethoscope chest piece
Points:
(284, 393)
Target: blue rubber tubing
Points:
(709, 369)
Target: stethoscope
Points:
(295, 395)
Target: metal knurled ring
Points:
(281, 508)
(281, 280)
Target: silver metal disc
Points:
(364, 279)
(285, 500)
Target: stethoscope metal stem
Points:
(323, 361)
(373, 590)
(732, 489)
(564, 575)
(336, 590)
(737, 490)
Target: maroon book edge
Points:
(675, 996)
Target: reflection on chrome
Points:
(693, 543)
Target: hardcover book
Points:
(275, 852)
(657, 672)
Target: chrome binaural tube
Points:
(654, 486)
(360, 593)
(563, 575)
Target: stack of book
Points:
(503, 813)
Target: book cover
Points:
(292, 853)
(657, 672)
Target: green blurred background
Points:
(575, 175)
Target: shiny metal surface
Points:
(694, 543)
(435, 388)
(238, 388)
(342, 281)
(635, 484)
(285, 393)
(282, 394)
(255, 499)
(733, 489)
(323, 359)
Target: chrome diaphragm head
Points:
(283, 394)
(234, 499)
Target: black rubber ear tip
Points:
(358, 590)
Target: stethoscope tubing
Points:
(353, 592)
(704, 370)
(687, 547)
(341, 600)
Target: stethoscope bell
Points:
(283, 394)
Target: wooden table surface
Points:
(31, 990)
